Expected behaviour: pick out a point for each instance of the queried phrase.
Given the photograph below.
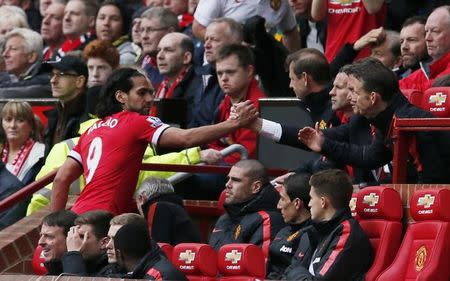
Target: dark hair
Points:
(64, 219)
(413, 20)
(133, 240)
(335, 185)
(98, 219)
(104, 50)
(120, 79)
(375, 77)
(311, 61)
(125, 13)
(254, 170)
(91, 7)
(244, 54)
(187, 45)
(297, 186)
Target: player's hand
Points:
(244, 112)
(374, 36)
(75, 241)
(280, 180)
(210, 156)
(312, 138)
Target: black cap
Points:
(68, 63)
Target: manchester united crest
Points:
(421, 258)
(275, 4)
(237, 232)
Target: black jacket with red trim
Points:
(255, 221)
(337, 249)
(168, 220)
(283, 248)
(155, 266)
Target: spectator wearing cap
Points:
(69, 78)
(22, 55)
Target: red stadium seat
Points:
(352, 206)
(414, 96)
(437, 101)
(380, 211)
(197, 261)
(241, 262)
(220, 203)
(167, 249)
(37, 263)
(424, 253)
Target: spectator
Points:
(163, 209)
(12, 17)
(33, 16)
(23, 56)
(101, 59)
(86, 244)
(112, 25)
(9, 184)
(219, 32)
(43, 6)
(442, 81)
(22, 155)
(174, 58)
(155, 23)
(143, 260)
(55, 227)
(192, 6)
(375, 95)
(346, 22)
(125, 98)
(388, 51)
(78, 26)
(437, 36)
(319, 255)
(277, 14)
(293, 204)
(69, 78)
(51, 28)
(250, 208)
(413, 44)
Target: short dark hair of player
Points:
(98, 219)
(375, 77)
(119, 80)
(64, 219)
(335, 185)
(243, 53)
(312, 62)
(133, 240)
(297, 186)
(254, 170)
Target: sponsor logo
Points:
(438, 99)
(215, 230)
(187, 256)
(352, 204)
(426, 201)
(344, 2)
(154, 121)
(234, 256)
(371, 199)
(285, 249)
(421, 257)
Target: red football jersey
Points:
(111, 154)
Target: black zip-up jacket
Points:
(255, 221)
(170, 222)
(338, 249)
(155, 266)
(283, 248)
(73, 263)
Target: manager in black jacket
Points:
(251, 208)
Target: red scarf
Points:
(165, 92)
(20, 157)
(185, 20)
(71, 45)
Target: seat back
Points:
(197, 261)
(424, 253)
(167, 249)
(241, 262)
(37, 262)
(380, 211)
(437, 101)
(414, 96)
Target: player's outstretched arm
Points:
(245, 113)
(69, 171)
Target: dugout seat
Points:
(167, 249)
(437, 101)
(380, 211)
(197, 261)
(424, 253)
(414, 96)
(241, 262)
(37, 262)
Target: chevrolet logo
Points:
(426, 201)
(234, 256)
(438, 99)
(188, 256)
(371, 199)
(353, 204)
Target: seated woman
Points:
(22, 153)
(112, 25)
